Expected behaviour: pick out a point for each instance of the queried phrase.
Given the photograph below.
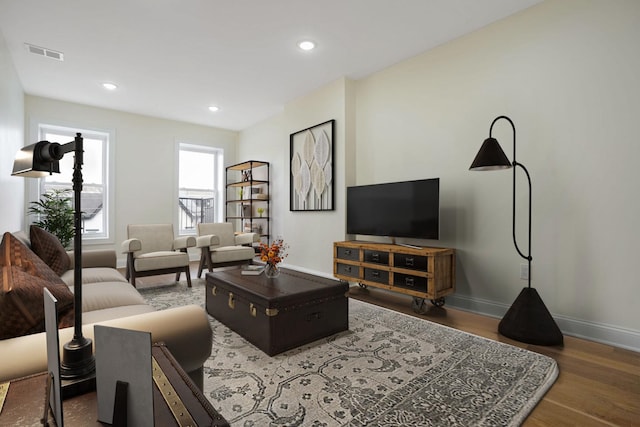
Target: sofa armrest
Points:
(131, 245)
(184, 242)
(208, 240)
(95, 258)
(247, 238)
(185, 331)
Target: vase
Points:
(271, 271)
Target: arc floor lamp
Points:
(528, 319)
(35, 161)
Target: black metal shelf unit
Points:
(248, 196)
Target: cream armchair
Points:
(152, 249)
(220, 247)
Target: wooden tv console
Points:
(424, 273)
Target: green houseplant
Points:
(55, 214)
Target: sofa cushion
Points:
(49, 249)
(24, 277)
(99, 296)
(94, 275)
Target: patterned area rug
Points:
(389, 369)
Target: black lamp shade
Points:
(37, 160)
(490, 157)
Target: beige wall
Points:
(145, 156)
(306, 233)
(11, 140)
(567, 73)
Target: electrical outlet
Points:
(524, 271)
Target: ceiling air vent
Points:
(43, 51)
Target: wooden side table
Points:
(24, 403)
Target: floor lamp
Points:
(35, 161)
(528, 319)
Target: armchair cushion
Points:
(161, 260)
(228, 254)
(223, 230)
(49, 249)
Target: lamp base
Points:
(529, 321)
(78, 367)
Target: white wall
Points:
(145, 157)
(567, 73)
(11, 140)
(306, 233)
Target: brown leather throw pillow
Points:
(49, 249)
(24, 277)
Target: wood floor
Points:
(598, 385)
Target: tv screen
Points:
(396, 209)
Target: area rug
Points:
(388, 369)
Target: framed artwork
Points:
(311, 163)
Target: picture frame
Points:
(311, 168)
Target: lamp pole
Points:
(77, 357)
(516, 164)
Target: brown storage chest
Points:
(278, 314)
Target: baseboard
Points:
(598, 332)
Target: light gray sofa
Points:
(108, 299)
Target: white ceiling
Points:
(174, 58)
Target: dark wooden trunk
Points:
(278, 314)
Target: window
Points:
(199, 186)
(95, 200)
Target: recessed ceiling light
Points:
(306, 45)
(214, 108)
(109, 86)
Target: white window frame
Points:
(34, 187)
(218, 181)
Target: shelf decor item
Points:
(528, 319)
(272, 255)
(311, 162)
(36, 161)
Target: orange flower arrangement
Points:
(274, 253)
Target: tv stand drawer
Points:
(351, 254)
(348, 270)
(376, 257)
(378, 276)
(410, 262)
(408, 281)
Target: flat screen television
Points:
(395, 209)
